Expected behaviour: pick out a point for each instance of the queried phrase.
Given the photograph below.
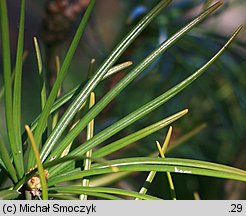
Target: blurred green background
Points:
(217, 99)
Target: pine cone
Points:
(60, 15)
